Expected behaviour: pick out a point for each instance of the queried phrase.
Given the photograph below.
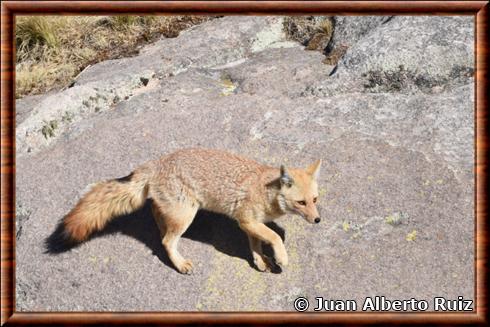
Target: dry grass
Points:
(336, 54)
(52, 50)
(314, 32)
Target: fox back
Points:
(216, 180)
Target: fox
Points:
(187, 180)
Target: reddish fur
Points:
(105, 201)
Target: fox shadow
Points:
(211, 228)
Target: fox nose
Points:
(317, 220)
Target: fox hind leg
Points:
(159, 219)
(173, 221)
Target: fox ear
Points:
(314, 169)
(285, 178)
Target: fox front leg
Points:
(267, 235)
(260, 260)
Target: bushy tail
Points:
(103, 202)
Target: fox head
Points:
(299, 191)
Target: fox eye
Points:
(301, 203)
(314, 200)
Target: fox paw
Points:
(281, 259)
(263, 263)
(186, 267)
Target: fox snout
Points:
(313, 221)
(312, 216)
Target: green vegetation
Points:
(49, 128)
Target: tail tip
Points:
(59, 241)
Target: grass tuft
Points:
(36, 31)
(52, 50)
(121, 23)
(314, 32)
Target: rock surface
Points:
(396, 186)
(409, 55)
(350, 29)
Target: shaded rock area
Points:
(392, 122)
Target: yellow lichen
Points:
(411, 236)
(224, 266)
(228, 86)
(390, 219)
